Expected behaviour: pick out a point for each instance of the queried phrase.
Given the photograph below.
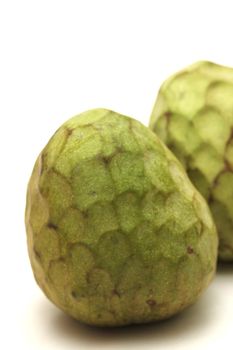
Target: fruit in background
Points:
(193, 115)
(117, 234)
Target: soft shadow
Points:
(188, 324)
(225, 268)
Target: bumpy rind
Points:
(116, 232)
(193, 115)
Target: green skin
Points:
(117, 234)
(193, 115)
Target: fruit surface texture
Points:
(117, 234)
(193, 115)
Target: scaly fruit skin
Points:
(193, 115)
(117, 234)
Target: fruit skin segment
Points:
(193, 115)
(116, 232)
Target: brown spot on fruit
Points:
(51, 225)
(74, 294)
(190, 250)
(151, 302)
(37, 254)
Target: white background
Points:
(57, 59)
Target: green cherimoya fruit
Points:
(193, 115)
(117, 234)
